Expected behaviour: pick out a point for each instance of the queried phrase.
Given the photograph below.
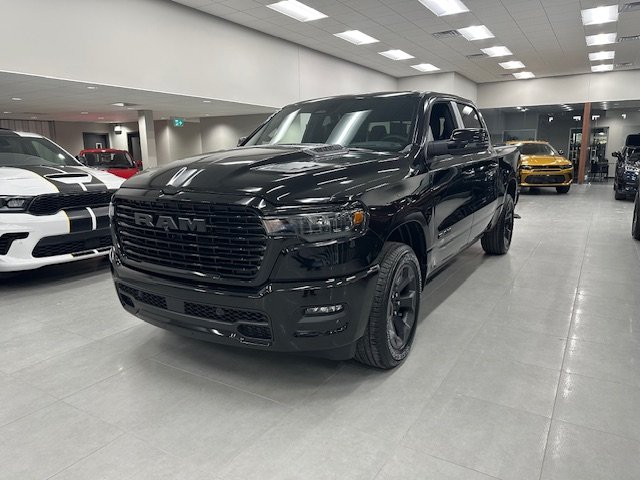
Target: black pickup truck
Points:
(317, 234)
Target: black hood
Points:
(280, 174)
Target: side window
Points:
(470, 117)
(441, 121)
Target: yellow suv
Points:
(542, 166)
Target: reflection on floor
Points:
(525, 367)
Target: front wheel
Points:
(635, 227)
(564, 189)
(392, 322)
(498, 240)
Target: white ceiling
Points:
(546, 35)
(64, 100)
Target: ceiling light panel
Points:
(599, 56)
(601, 39)
(425, 67)
(356, 37)
(600, 15)
(512, 65)
(297, 10)
(496, 51)
(396, 55)
(445, 7)
(523, 75)
(475, 32)
(602, 68)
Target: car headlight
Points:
(318, 226)
(526, 167)
(14, 203)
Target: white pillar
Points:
(147, 139)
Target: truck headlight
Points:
(318, 226)
(632, 169)
(14, 203)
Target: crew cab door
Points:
(452, 176)
(484, 172)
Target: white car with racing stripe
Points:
(52, 208)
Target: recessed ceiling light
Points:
(33, 118)
(118, 104)
(445, 7)
(17, 99)
(100, 118)
(206, 101)
(598, 56)
(92, 87)
(601, 39)
(356, 37)
(130, 108)
(599, 15)
(496, 51)
(602, 68)
(6, 112)
(396, 55)
(475, 32)
(512, 65)
(297, 10)
(425, 67)
(84, 113)
(523, 75)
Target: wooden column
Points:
(584, 144)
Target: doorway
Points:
(597, 164)
(133, 143)
(95, 140)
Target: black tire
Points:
(498, 240)
(564, 189)
(620, 195)
(394, 313)
(635, 227)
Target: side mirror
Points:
(81, 159)
(139, 164)
(616, 154)
(241, 141)
(561, 152)
(462, 141)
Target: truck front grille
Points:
(232, 246)
(544, 179)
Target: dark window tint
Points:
(470, 117)
(18, 151)
(536, 149)
(108, 160)
(441, 121)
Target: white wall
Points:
(163, 46)
(452, 83)
(224, 132)
(598, 87)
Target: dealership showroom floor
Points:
(524, 367)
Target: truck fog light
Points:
(324, 309)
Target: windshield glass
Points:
(380, 123)
(27, 151)
(108, 160)
(537, 149)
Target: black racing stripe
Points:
(102, 216)
(55, 175)
(79, 220)
(94, 185)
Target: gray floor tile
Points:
(18, 399)
(539, 319)
(612, 329)
(49, 440)
(499, 380)
(407, 463)
(492, 439)
(601, 405)
(581, 453)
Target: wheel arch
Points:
(411, 232)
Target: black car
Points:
(627, 169)
(318, 233)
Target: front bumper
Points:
(270, 318)
(29, 241)
(542, 177)
(628, 183)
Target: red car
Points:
(117, 162)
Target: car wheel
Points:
(564, 189)
(392, 322)
(620, 195)
(635, 227)
(498, 240)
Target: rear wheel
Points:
(564, 189)
(635, 227)
(498, 240)
(620, 195)
(392, 322)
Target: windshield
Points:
(108, 160)
(18, 151)
(380, 123)
(536, 149)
